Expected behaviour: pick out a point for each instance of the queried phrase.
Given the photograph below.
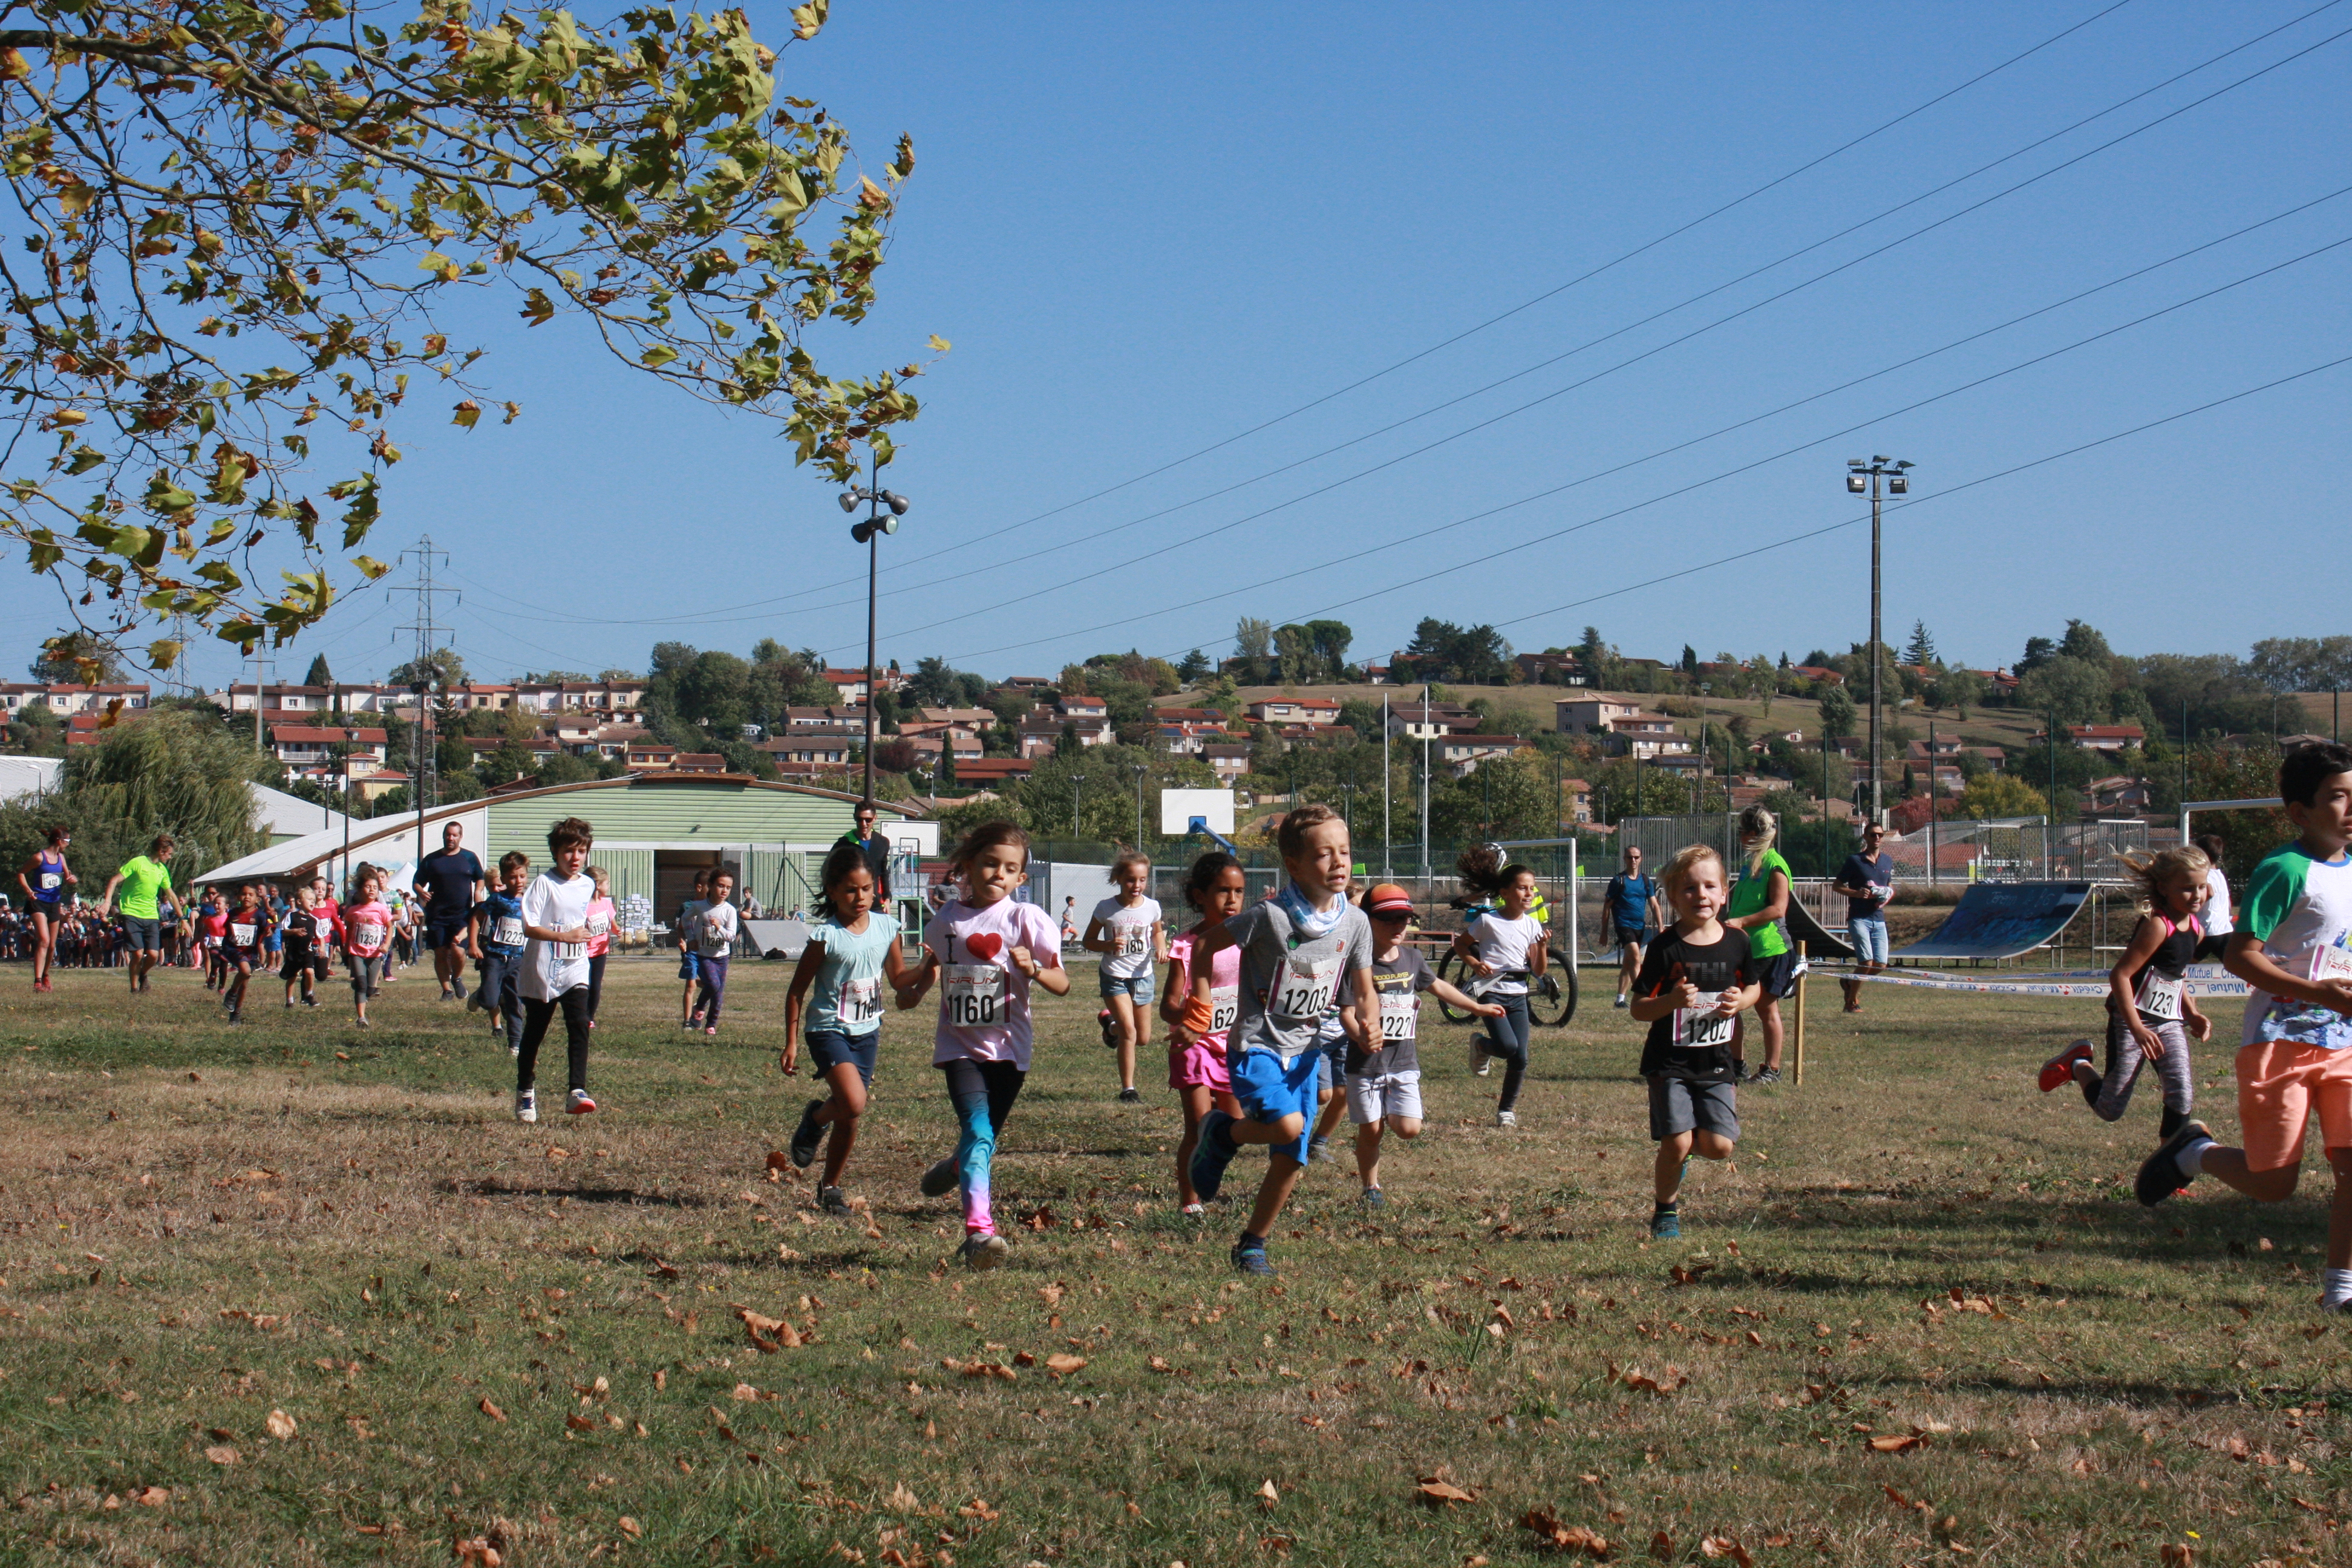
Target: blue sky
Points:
(1148, 229)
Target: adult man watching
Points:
(450, 884)
(1866, 881)
(877, 850)
(146, 884)
(1631, 900)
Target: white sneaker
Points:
(1507, 1119)
(580, 1104)
(526, 1105)
(1480, 1063)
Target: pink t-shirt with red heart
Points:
(984, 1017)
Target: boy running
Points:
(1696, 980)
(500, 940)
(554, 967)
(2293, 947)
(1296, 949)
(1384, 1080)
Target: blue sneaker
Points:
(1665, 1225)
(1215, 1151)
(1249, 1257)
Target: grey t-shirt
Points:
(1289, 981)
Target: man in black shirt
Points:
(877, 850)
(449, 884)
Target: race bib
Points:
(1305, 988)
(52, 881)
(2159, 997)
(1701, 1028)
(714, 941)
(568, 952)
(1134, 941)
(240, 935)
(975, 996)
(367, 936)
(1400, 1016)
(598, 925)
(861, 1000)
(507, 931)
(2331, 963)
(1224, 1007)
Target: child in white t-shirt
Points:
(554, 968)
(1128, 932)
(716, 927)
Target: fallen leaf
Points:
(1896, 1443)
(779, 1161)
(1267, 1496)
(579, 1424)
(2175, 1554)
(221, 1454)
(556, 1154)
(280, 1425)
(1442, 1494)
(151, 1496)
(745, 1393)
(901, 1501)
(1673, 1378)
(769, 1334)
(1564, 1538)
(1051, 1294)
(492, 1411)
(1062, 1364)
(631, 1528)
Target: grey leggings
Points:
(1506, 1037)
(2110, 1094)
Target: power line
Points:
(1420, 537)
(1524, 306)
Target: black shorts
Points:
(441, 932)
(1777, 974)
(296, 965)
(1633, 936)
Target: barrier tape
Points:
(2031, 986)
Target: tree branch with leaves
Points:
(235, 221)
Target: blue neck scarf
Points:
(1309, 921)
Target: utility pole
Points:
(1075, 779)
(1387, 869)
(883, 510)
(259, 686)
(1896, 484)
(1138, 770)
(1424, 789)
(1931, 803)
(424, 784)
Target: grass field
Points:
(290, 1293)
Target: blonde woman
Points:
(1759, 906)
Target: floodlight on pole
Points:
(883, 508)
(1866, 477)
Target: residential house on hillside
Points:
(983, 772)
(308, 751)
(827, 747)
(1028, 685)
(275, 697)
(1819, 672)
(1576, 796)
(2118, 796)
(1188, 716)
(1230, 758)
(1186, 740)
(1431, 721)
(2099, 737)
(823, 718)
(1591, 715)
(66, 699)
(649, 756)
(697, 763)
(1551, 668)
(1294, 710)
(928, 748)
(1461, 753)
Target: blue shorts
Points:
(828, 1048)
(1868, 936)
(1270, 1088)
(690, 965)
(1138, 987)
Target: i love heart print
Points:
(984, 997)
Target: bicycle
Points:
(1551, 995)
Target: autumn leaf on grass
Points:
(281, 1425)
(576, 1423)
(1635, 1377)
(631, 1528)
(901, 1501)
(1692, 1275)
(151, 1496)
(221, 1454)
(1726, 1546)
(779, 1161)
(1266, 1496)
(769, 1334)
(1062, 1364)
(492, 1411)
(1896, 1443)
(1556, 1536)
(557, 1153)
(1439, 1493)
(478, 1553)
(2176, 1554)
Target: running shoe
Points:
(2060, 1069)
(1766, 1075)
(1480, 1063)
(290, 1004)
(1109, 1028)
(309, 1000)
(832, 1201)
(526, 1105)
(579, 1104)
(1373, 1198)
(1665, 1225)
(807, 1136)
(1215, 1151)
(1620, 1002)
(982, 1252)
(1131, 1097)
(2160, 1175)
(459, 986)
(940, 1179)
(365, 1024)
(1249, 1257)
(1507, 1119)
(1194, 1211)
(711, 1032)
(1317, 1149)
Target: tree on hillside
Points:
(2073, 689)
(1440, 650)
(168, 771)
(1837, 712)
(239, 217)
(318, 674)
(2038, 652)
(77, 659)
(1921, 650)
(1192, 667)
(936, 685)
(1253, 645)
(1990, 796)
(440, 668)
(2302, 664)
(1295, 661)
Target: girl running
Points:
(989, 949)
(242, 947)
(1506, 948)
(715, 930)
(367, 930)
(2151, 1014)
(689, 970)
(602, 913)
(1127, 932)
(212, 928)
(1196, 1032)
(836, 998)
(44, 878)
(1759, 906)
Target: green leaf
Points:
(658, 357)
(467, 412)
(809, 19)
(370, 567)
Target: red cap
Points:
(1388, 898)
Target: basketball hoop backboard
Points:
(1178, 807)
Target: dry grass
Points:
(204, 1227)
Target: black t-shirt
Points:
(1398, 983)
(1694, 1045)
(1862, 870)
(449, 878)
(300, 927)
(877, 850)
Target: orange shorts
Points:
(2280, 1084)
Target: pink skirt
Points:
(1201, 1065)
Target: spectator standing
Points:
(1866, 881)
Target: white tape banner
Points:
(2059, 983)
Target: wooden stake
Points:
(1796, 1051)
